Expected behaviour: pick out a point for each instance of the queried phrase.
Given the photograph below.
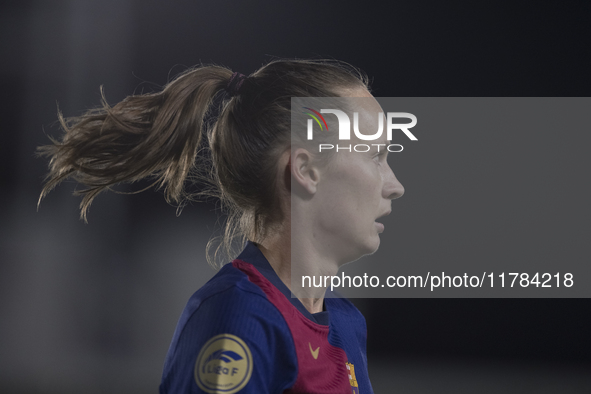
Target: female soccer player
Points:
(243, 331)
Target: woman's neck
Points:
(277, 250)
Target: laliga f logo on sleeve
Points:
(224, 365)
(345, 129)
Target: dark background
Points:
(92, 307)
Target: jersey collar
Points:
(252, 255)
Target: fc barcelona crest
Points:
(352, 378)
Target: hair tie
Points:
(235, 83)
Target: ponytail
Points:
(156, 136)
(144, 136)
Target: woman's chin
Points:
(370, 247)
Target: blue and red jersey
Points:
(243, 333)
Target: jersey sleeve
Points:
(234, 341)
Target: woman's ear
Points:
(305, 174)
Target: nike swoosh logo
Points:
(314, 352)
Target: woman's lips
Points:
(379, 226)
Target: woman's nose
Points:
(393, 189)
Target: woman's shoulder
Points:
(230, 323)
(228, 295)
(228, 304)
